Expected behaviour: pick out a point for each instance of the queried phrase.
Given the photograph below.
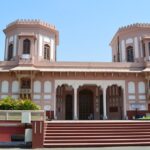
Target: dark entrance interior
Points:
(25, 92)
(69, 107)
(85, 104)
(101, 106)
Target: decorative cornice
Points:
(31, 22)
(135, 25)
(129, 28)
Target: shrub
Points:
(145, 118)
(9, 103)
(27, 105)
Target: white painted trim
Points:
(123, 51)
(6, 48)
(40, 45)
(102, 83)
(129, 41)
(11, 38)
(52, 49)
(15, 45)
(136, 47)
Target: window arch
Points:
(141, 87)
(46, 52)
(15, 87)
(131, 87)
(26, 46)
(130, 55)
(10, 52)
(37, 86)
(5, 86)
(47, 87)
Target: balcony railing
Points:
(25, 91)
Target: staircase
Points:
(96, 133)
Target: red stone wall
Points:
(10, 128)
(37, 134)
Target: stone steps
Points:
(100, 133)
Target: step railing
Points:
(16, 115)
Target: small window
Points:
(10, 52)
(149, 48)
(130, 55)
(26, 46)
(46, 52)
(143, 45)
(114, 58)
(25, 83)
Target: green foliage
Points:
(9, 103)
(145, 118)
(27, 105)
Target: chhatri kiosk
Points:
(77, 90)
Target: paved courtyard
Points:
(92, 148)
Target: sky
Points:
(85, 27)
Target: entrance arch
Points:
(64, 102)
(86, 104)
(114, 100)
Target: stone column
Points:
(124, 104)
(104, 104)
(55, 103)
(75, 114)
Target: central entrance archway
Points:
(85, 104)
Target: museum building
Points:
(77, 90)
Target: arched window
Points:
(37, 86)
(47, 87)
(15, 87)
(141, 87)
(26, 46)
(131, 87)
(130, 55)
(5, 86)
(47, 52)
(10, 52)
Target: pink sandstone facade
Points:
(77, 90)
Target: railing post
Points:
(6, 115)
(44, 117)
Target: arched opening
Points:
(101, 111)
(114, 100)
(46, 52)
(86, 105)
(130, 54)
(64, 102)
(10, 52)
(26, 46)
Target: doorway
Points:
(86, 105)
(69, 107)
